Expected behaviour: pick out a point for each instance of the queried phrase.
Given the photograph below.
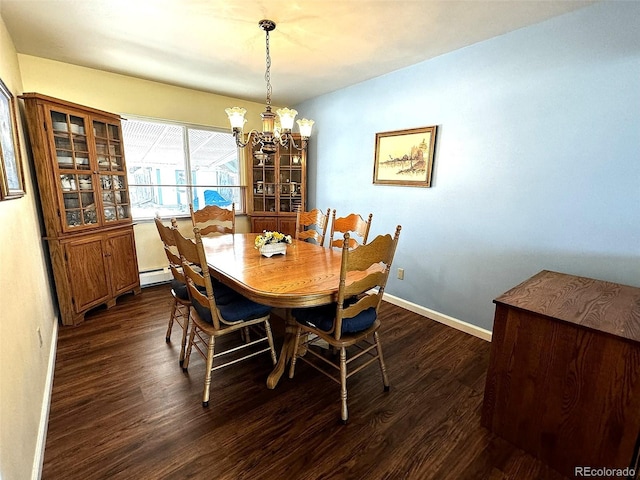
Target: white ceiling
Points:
(217, 46)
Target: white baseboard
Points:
(153, 277)
(38, 460)
(440, 317)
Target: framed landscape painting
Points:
(405, 157)
(11, 180)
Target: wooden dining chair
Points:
(213, 219)
(216, 313)
(312, 225)
(352, 223)
(351, 324)
(181, 306)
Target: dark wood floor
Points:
(122, 408)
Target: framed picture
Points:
(11, 178)
(405, 157)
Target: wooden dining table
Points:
(306, 276)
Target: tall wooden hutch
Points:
(84, 195)
(278, 187)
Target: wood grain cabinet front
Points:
(87, 270)
(283, 224)
(121, 261)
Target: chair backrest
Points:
(170, 248)
(213, 219)
(354, 224)
(196, 272)
(363, 276)
(305, 221)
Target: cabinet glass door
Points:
(113, 185)
(290, 181)
(74, 170)
(108, 147)
(264, 182)
(79, 199)
(70, 141)
(115, 197)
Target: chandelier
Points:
(271, 135)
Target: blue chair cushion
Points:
(179, 289)
(224, 294)
(240, 309)
(324, 316)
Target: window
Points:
(171, 165)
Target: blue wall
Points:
(537, 161)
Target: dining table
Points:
(307, 275)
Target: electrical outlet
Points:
(401, 273)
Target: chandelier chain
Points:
(267, 73)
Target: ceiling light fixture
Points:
(271, 134)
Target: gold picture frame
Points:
(405, 157)
(11, 174)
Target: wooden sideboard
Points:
(564, 373)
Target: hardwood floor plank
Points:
(122, 408)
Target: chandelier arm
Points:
(286, 138)
(251, 136)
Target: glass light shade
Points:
(236, 117)
(305, 126)
(287, 116)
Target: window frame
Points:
(189, 171)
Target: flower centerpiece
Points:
(272, 243)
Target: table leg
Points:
(286, 354)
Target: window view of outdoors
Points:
(170, 166)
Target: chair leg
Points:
(246, 335)
(185, 331)
(294, 355)
(267, 328)
(207, 376)
(343, 384)
(171, 319)
(187, 355)
(383, 368)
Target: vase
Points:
(273, 249)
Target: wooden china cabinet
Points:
(278, 187)
(84, 195)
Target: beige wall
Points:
(127, 95)
(26, 305)
(132, 96)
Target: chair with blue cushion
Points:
(213, 219)
(217, 312)
(351, 324)
(353, 224)
(181, 306)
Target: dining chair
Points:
(312, 225)
(213, 219)
(217, 314)
(352, 223)
(181, 306)
(351, 324)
